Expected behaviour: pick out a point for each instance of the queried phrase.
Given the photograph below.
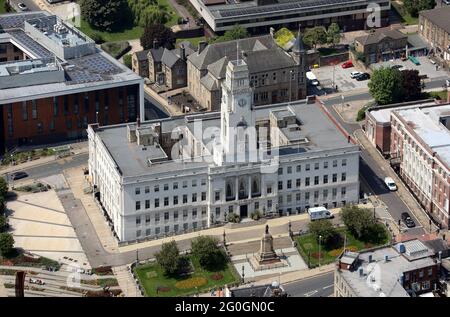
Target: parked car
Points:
(363, 76)
(355, 74)
(36, 281)
(447, 2)
(347, 64)
(447, 82)
(22, 6)
(408, 220)
(397, 66)
(390, 184)
(317, 213)
(19, 175)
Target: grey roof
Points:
(209, 82)
(34, 47)
(272, 59)
(416, 41)
(169, 58)
(216, 51)
(13, 20)
(218, 68)
(439, 16)
(379, 35)
(299, 46)
(156, 53)
(188, 47)
(142, 55)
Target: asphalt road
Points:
(29, 3)
(369, 169)
(317, 286)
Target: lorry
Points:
(317, 213)
(312, 79)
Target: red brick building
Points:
(54, 81)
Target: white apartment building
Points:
(184, 173)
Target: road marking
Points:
(325, 287)
(309, 294)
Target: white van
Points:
(317, 213)
(312, 79)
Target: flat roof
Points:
(321, 133)
(87, 72)
(382, 278)
(383, 114)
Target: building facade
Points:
(381, 45)
(259, 15)
(139, 63)
(175, 175)
(434, 26)
(55, 81)
(275, 75)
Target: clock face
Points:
(242, 102)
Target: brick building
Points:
(54, 81)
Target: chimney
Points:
(182, 52)
(201, 46)
(155, 43)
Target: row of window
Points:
(307, 195)
(315, 179)
(165, 187)
(167, 216)
(308, 166)
(166, 229)
(166, 201)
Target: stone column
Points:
(249, 186)
(236, 189)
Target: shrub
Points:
(256, 215)
(209, 255)
(6, 243)
(323, 228)
(216, 276)
(191, 283)
(232, 217)
(169, 257)
(127, 60)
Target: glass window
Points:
(138, 205)
(280, 185)
(289, 184)
(307, 167)
(147, 189)
(137, 190)
(175, 200)
(217, 196)
(280, 171)
(344, 177)
(138, 220)
(156, 202)
(166, 201)
(316, 180)
(299, 168)
(166, 186)
(289, 169)
(147, 204)
(307, 181)
(316, 166)
(298, 182)
(24, 111)
(156, 188)
(175, 185)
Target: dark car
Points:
(408, 220)
(19, 175)
(363, 76)
(396, 66)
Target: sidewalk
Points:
(126, 281)
(76, 149)
(403, 192)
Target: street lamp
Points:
(96, 117)
(320, 240)
(243, 274)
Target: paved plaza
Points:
(41, 226)
(341, 77)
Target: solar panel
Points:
(16, 20)
(37, 49)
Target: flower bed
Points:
(191, 283)
(216, 276)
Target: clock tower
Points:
(237, 117)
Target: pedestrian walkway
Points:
(76, 149)
(126, 281)
(3, 292)
(76, 180)
(402, 191)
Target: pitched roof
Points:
(156, 53)
(268, 60)
(439, 16)
(169, 58)
(209, 82)
(141, 55)
(298, 44)
(214, 52)
(379, 35)
(218, 68)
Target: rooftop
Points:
(382, 114)
(132, 160)
(42, 36)
(381, 277)
(427, 125)
(379, 35)
(439, 16)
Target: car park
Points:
(355, 74)
(406, 218)
(347, 64)
(390, 184)
(19, 175)
(363, 76)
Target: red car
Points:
(347, 64)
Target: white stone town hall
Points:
(183, 173)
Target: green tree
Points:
(3, 187)
(411, 84)
(159, 32)
(323, 228)
(2, 205)
(127, 60)
(357, 220)
(169, 257)
(236, 33)
(2, 223)
(314, 36)
(415, 6)
(385, 85)
(208, 253)
(333, 34)
(105, 15)
(6, 243)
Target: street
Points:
(317, 286)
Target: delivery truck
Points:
(317, 213)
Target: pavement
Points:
(126, 281)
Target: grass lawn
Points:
(2, 6)
(308, 245)
(123, 35)
(152, 277)
(172, 12)
(441, 95)
(194, 40)
(19, 259)
(406, 17)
